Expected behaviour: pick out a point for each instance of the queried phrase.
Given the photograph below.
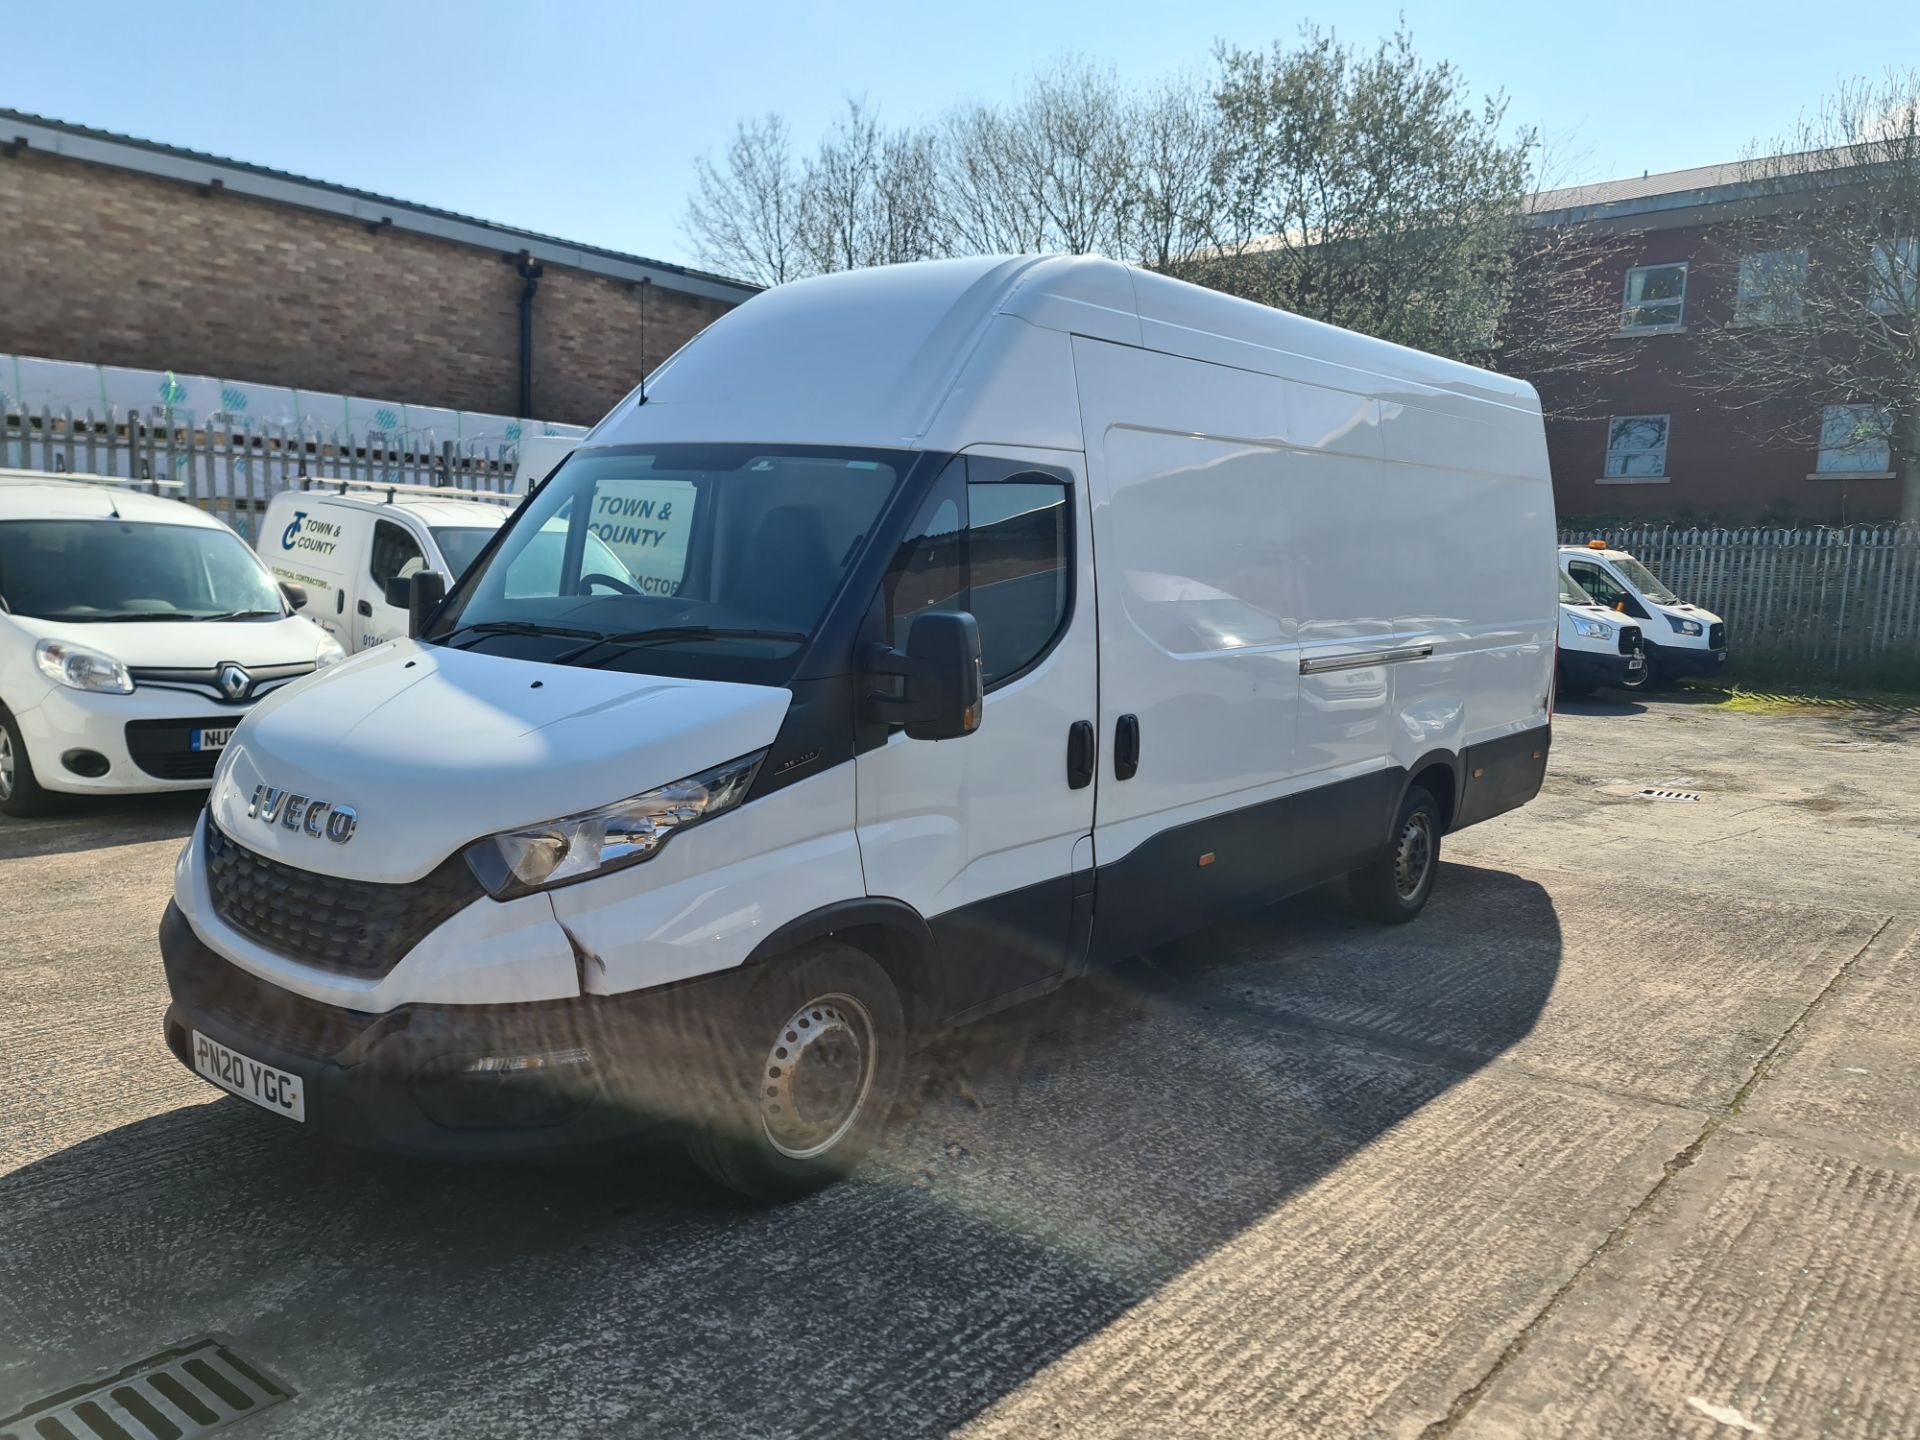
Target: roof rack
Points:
(336, 485)
(80, 477)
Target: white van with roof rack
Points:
(921, 639)
(1679, 638)
(354, 545)
(136, 632)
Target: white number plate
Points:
(265, 1086)
(212, 739)
(1635, 662)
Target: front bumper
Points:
(400, 1081)
(1591, 669)
(67, 720)
(1677, 661)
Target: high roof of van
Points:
(429, 509)
(50, 498)
(872, 356)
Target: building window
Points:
(1853, 439)
(1656, 298)
(1893, 277)
(1773, 288)
(1637, 445)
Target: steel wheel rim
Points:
(1413, 855)
(817, 1076)
(6, 765)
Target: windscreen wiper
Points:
(666, 634)
(519, 627)
(241, 615)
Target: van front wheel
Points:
(813, 1071)
(1394, 886)
(20, 793)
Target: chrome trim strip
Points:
(1321, 664)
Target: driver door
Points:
(989, 836)
(394, 553)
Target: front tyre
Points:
(1394, 886)
(810, 1075)
(20, 794)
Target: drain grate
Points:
(1653, 794)
(175, 1395)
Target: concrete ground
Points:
(1620, 1138)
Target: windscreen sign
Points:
(645, 523)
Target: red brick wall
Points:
(114, 268)
(1725, 459)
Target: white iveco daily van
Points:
(979, 623)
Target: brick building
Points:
(1667, 440)
(123, 252)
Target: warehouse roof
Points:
(103, 147)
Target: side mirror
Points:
(398, 591)
(425, 590)
(942, 686)
(296, 594)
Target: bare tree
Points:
(868, 196)
(746, 213)
(1056, 171)
(1176, 144)
(1823, 342)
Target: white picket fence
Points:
(230, 466)
(1829, 599)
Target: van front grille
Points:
(164, 748)
(1717, 637)
(1629, 639)
(349, 927)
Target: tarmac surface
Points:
(1620, 1138)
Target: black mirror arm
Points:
(880, 659)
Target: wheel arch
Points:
(1438, 773)
(891, 931)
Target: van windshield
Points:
(107, 570)
(728, 550)
(1641, 578)
(461, 544)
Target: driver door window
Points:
(395, 554)
(1604, 589)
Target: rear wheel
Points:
(1394, 886)
(811, 1074)
(20, 794)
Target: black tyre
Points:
(20, 794)
(1649, 676)
(815, 1068)
(1394, 887)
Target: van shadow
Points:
(1601, 702)
(87, 822)
(1055, 1166)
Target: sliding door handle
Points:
(1126, 747)
(1079, 754)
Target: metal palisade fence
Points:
(231, 468)
(1838, 601)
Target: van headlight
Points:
(79, 668)
(1591, 629)
(330, 654)
(1685, 627)
(517, 862)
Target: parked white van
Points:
(1598, 646)
(354, 545)
(1680, 639)
(988, 621)
(135, 632)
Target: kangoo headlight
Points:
(517, 862)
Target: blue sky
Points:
(582, 119)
